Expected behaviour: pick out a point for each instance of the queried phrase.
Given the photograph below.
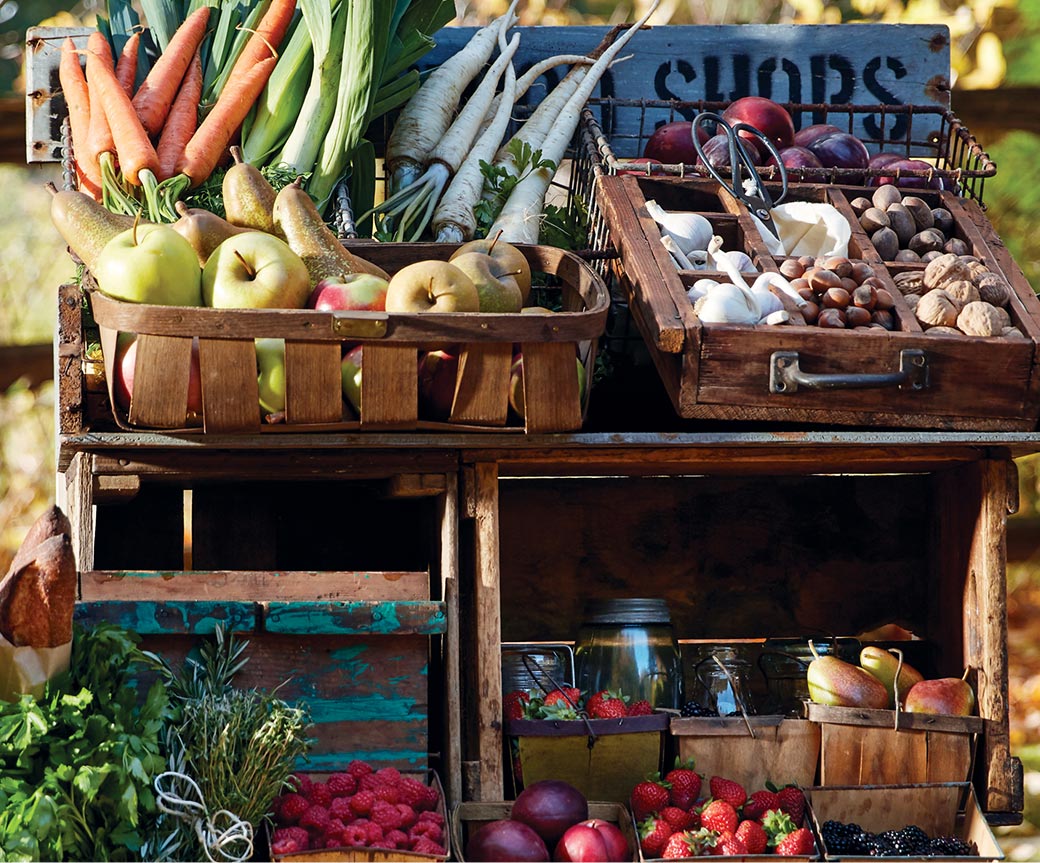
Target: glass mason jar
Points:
(723, 679)
(628, 645)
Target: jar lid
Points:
(626, 611)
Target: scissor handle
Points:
(738, 156)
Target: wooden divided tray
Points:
(725, 371)
(552, 345)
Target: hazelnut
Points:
(806, 294)
(849, 284)
(884, 299)
(961, 292)
(929, 240)
(838, 264)
(885, 195)
(810, 311)
(831, 319)
(920, 210)
(835, 298)
(807, 261)
(791, 268)
(861, 270)
(821, 280)
(886, 242)
(883, 318)
(865, 297)
(873, 219)
(936, 310)
(856, 317)
(980, 319)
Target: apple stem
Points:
(250, 270)
(133, 230)
(495, 240)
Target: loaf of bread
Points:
(38, 594)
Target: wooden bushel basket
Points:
(550, 345)
(864, 747)
(783, 750)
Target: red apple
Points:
(582, 844)
(840, 150)
(350, 375)
(910, 182)
(613, 838)
(438, 374)
(362, 292)
(771, 119)
(672, 143)
(125, 364)
(804, 137)
(716, 150)
(799, 157)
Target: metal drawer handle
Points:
(786, 376)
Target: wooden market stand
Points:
(327, 545)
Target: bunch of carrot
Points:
(138, 148)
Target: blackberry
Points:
(951, 846)
(694, 708)
(876, 845)
(912, 841)
(841, 839)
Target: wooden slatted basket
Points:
(552, 346)
(736, 372)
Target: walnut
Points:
(980, 319)
(944, 269)
(975, 267)
(936, 309)
(1012, 333)
(945, 331)
(994, 289)
(909, 282)
(961, 292)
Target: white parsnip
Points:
(428, 114)
(520, 218)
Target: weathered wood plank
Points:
(482, 385)
(360, 617)
(313, 383)
(184, 616)
(448, 511)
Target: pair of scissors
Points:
(744, 183)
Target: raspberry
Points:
(385, 815)
(280, 847)
(425, 846)
(429, 799)
(290, 807)
(340, 808)
(370, 782)
(335, 832)
(428, 829)
(316, 818)
(396, 839)
(362, 802)
(297, 835)
(302, 782)
(320, 794)
(389, 774)
(408, 815)
(357, 769)
(373, 833)
(341, 784)
(435, 817)
(411, 791)
(354, 834)
(332, 841)
(388, 792)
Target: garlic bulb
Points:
(690, 231)
(741, 261)
(700, 288)
(728, 304)
(768, 302)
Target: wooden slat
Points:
(886, 719)
(230, 393)
(551, 397)
(482, 384)
(245, 586)
(389, 385)
(161, 370)
(451, 642)
(171, 616)
(69, 361)
(313, 387)
(359, 617)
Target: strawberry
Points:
(426, 846)
(754, 837)
(649, 796)
(341, 785)
(719, 816)
(568, 696)
(777, 825)
(316, 818)
(792, 801)
(609, 708)
(362, 802)
(685, 782)
(796, 844)
(728, 844)
(513, 704)
(596, 699)
(679, 845)
(641, 708)
(759, 803)
(653, 836)
(679, 819)
(290, 807)
(726, 789)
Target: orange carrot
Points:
(211, 139)
(126, 67)
(99, 138)
(153, 100)
(182, 121)
(77, 99)
(133, 149)
(266, 39)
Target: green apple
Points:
(270, 366)
(508, 259)
(149, 264)
(255, 270)
(431, 286)
(350, 375)
(495, 292)
(516, 384)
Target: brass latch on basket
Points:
(786, 376)
(359, 326)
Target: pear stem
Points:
(250, 270)
(236, 154)
(812, 650)
(967, 671)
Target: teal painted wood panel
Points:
(185, 616)
(356, 618)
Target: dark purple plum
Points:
(672, 143)
(799, 157)
(771, 119)
(804, 137)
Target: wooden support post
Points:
(449, 515)
(76, 498)
(488, 620)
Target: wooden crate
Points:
(940, 809)
(470, 816)
(784, 751)
(551, 346)
(864, 747)
(724, 371)
(354, 646)
(376, 855)
(624, 752)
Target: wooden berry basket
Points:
(314, 401)
(725, 371)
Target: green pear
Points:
(838, 683)
(949, 696)
(883, 664)
(270, 364)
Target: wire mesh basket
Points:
(621, 128)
